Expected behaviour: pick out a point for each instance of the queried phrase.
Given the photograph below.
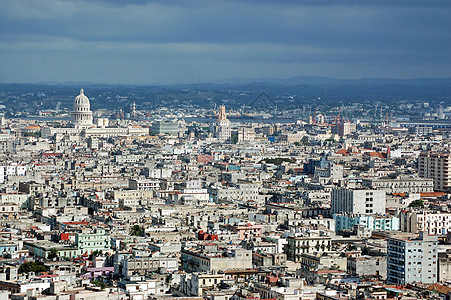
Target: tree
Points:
(278, 161)
(32, 266)
(417, 203)
(53, 254)
(168, 278)
(34, 134)
(234, 137)
(99, 283)
(93, 254)
(137, 230)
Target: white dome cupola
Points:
(82, 102)
(82, 114)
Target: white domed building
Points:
(81, 118)
(82, 114)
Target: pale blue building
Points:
(373, 222)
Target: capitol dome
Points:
(82, 114)
(82, 102)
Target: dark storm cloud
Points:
(150, 41)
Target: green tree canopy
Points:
(32, 266)
(53, 254)
(99, 283)
(417, 203)
(137, 230)
(278, 161)
(234, 137)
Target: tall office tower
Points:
(438, 167)
(412, 258)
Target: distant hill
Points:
(291, 92)
(322, 81)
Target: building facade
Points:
(221, 128)
(199, 261)
(438, 167)
(296, 246)
(357, 201)
(93, 240)
(431, 222)
(402, 184)
(165, 127)
(412, 258)
(375, 222)
(367, 266)
(346, 128)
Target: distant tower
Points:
(222, 114)
(82, 114)
(133, 112)
(221, 127)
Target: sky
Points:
(188, 41)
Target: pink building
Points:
(248, 230)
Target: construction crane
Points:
(337, 118)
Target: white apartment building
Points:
(438, 167)
(143, 184)
(194, 284)
(412, 258)
(346, 128)
(133, 194)
(12, 170)
(244, 192)
(246, 134)
(16, 199)
(402, 184)
(357, 201)
(130, 158)
(298, 245)
(431, 222)
(194, 260)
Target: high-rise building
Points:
(346, 128)
(438, 167)
(133, 110)
(221, 127)
(82, 114)
(412, 258)
(246, 134)
(357, 201)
